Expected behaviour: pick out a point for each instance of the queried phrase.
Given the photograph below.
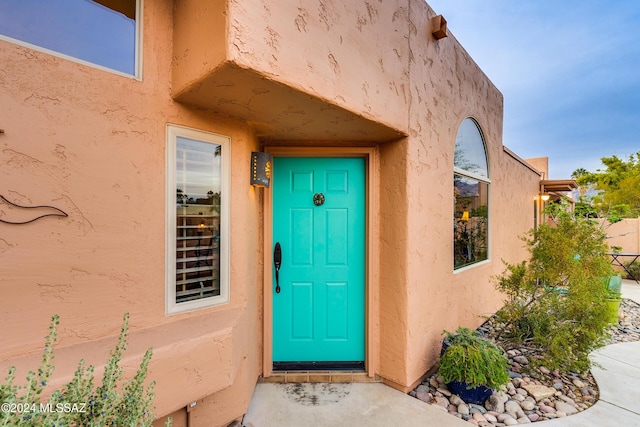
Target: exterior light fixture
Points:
(465, 216)
(260, 169)
(544, 197)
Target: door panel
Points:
(319, 314)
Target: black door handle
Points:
(277, 261)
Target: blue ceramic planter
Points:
(475, 395)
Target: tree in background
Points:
(618, 188)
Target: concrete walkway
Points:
(376, 405)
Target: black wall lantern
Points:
(260, 169)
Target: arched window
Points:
(471, 193)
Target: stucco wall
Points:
(360, 63)
(321, 73)
(446, 87)
(625, 234)
(92, 143)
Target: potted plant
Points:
(471, 366)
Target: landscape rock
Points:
(578, 383)
(528, 404)
(444, 392)
(511, 422)
(514, 409)
(456, 400)
(522, 360)
(441, 401)
(463, 409)
(477, 408)
(479, 417)
(425, 396)
(491, 418)
(539, 392)
(547, 409)
(542, 394)
(566, 408)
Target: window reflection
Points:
(469, 153)
(471, 195)
(470, 221)
(103, 33)
(198, 200)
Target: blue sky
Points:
(569, 72)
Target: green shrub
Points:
(473, 360)
(80, 403)
(556, 300)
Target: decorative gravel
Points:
(534, 394)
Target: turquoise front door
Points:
(319, 224)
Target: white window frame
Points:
(138, 49)
(480, 178)
(173, 132)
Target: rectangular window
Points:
(197, 219)
(470, 243)
(100, 32)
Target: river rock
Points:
(441, 401)
(511, 422)
(514, 409)
(496, 402)
(455, 400)
(567, 408)
(528, 404)
(521, 360)
(479, 417)
(463, 409)
(477, 408)
(424, 396)
(444, 392)
(491, 418)
(539, 392)
(578, 383)
(422, 387)
(546, 409)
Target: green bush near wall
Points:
(556, 301)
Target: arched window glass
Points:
(471, 193)
(470, 155)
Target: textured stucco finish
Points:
(625, 234)
(92, 143)
(318, 73)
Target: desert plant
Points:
(555, 301)
(79, 403)
(471, 359)
(634, 269)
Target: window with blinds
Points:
(197, 273)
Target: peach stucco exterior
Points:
(322, 76)
(624, 234)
